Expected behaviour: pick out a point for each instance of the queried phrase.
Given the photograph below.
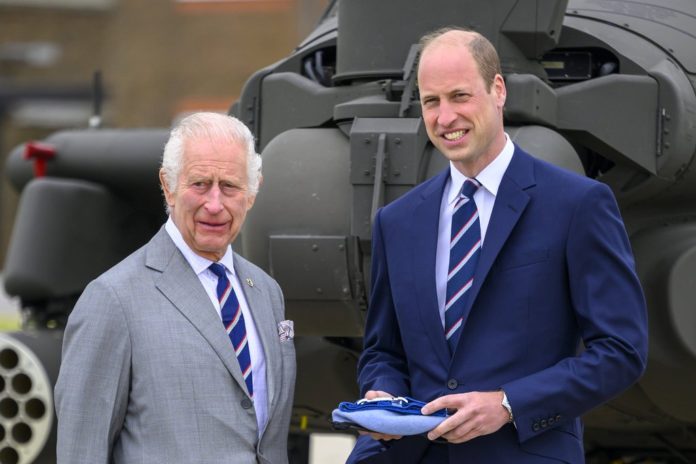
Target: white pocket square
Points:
(286, 330)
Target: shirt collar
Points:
(198, 263)
(491, 176)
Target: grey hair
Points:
(215, 126)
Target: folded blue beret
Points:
(394, 416)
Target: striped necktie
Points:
(465, 246)
(233, 320)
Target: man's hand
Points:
(371, 395)
(478, 413)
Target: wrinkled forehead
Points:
(213, 147)
(215, 155)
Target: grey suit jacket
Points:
(149, 375)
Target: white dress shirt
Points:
(490, 179)
(209, 280)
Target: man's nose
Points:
(446, 114)
(213, 201)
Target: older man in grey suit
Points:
(180, 353)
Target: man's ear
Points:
(168, 197)
(500, 90)
(252, 198)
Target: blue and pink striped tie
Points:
(233, 320)
(465, 247)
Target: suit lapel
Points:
(510, 203)
(424, 227)
(181, 286)
(266, 327)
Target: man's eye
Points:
(229, 188)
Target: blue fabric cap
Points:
(394, 416)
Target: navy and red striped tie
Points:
(465, 247)
(233, 320)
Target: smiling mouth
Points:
(456, 135)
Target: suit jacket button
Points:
(246, 403)
(536, 427)
(558, 417)
(544, 424)
(452, 384)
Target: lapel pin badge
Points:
(250, 282)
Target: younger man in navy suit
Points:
(488, 278)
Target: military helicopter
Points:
(605, 88)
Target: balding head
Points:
(481, 49)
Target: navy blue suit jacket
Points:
(556, 315)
